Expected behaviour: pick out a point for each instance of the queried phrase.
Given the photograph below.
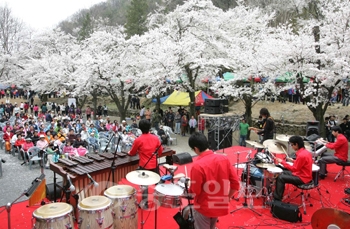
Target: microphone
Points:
(71, 186)
(92, 180)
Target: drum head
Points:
(315, 168)
(169, 189)
(94, 203)
(275, 170)
(52, 210)
(119, 191)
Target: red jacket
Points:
(20, 142)
(212, 175)
(7, 136)
(302, 166)
(340, 147)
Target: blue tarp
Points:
(162, 99)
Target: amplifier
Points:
(284, 211)
(212, 102)
(212, 110)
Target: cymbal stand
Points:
(245, 204)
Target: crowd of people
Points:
(58, 133)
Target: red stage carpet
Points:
(21, 216)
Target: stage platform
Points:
(332, 194)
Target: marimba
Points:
(99, 167)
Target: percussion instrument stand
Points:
(157, 171)
(190, 220)
(76, 197)
(238, 153)
(105, 150)
(245, 205)
(113, 166)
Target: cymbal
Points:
(143, 177)
(308, 146)
(275, 147)
(255, 144)
(325, 217)
(283, 137)
(265, 165)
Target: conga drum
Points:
(95, 212)
(53, 216)
(124, 205)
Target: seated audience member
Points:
(69, 150)
(7, 138)
(35, 138)
(298, 173)
(25, 147)
(52, 153)
(93, 142)
(80, 145)
(71, 135)
(42, 144)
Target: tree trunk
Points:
(318, 114)
(94, 102)
(192, 103)
(81, 102)
(121, 100)
(158, 102)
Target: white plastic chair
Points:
(33, 155)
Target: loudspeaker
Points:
(182, 158)
(50, 191)
(222, 136)
(312, 127)
(215, 102)
(284, 211)
(212, 110)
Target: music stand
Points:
(27, 193)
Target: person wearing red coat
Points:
(7, 138)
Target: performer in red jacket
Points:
(340, 147)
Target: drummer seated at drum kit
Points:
(298, 173)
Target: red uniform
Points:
(340, 147)
(302, 166)
(145, 145)
(212, 176)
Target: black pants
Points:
(285, 177)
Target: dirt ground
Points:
(288, 112)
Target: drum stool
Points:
(343, 170)
(305, 196)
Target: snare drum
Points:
(275, 171)
(168, 195)
(315, 170)
(53, 216)
(124, 205)
(95, 212)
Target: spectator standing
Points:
(192, 124)
(243, 132)
(105, 110)
(184, 123)
(177, 123)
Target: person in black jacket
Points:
(79, 142)
(267, 130)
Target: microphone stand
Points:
(105, 150)
(113, 166)
(245, 205)
(190, 220)
(76, 197)
(157, 171)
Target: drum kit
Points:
(264, 160)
